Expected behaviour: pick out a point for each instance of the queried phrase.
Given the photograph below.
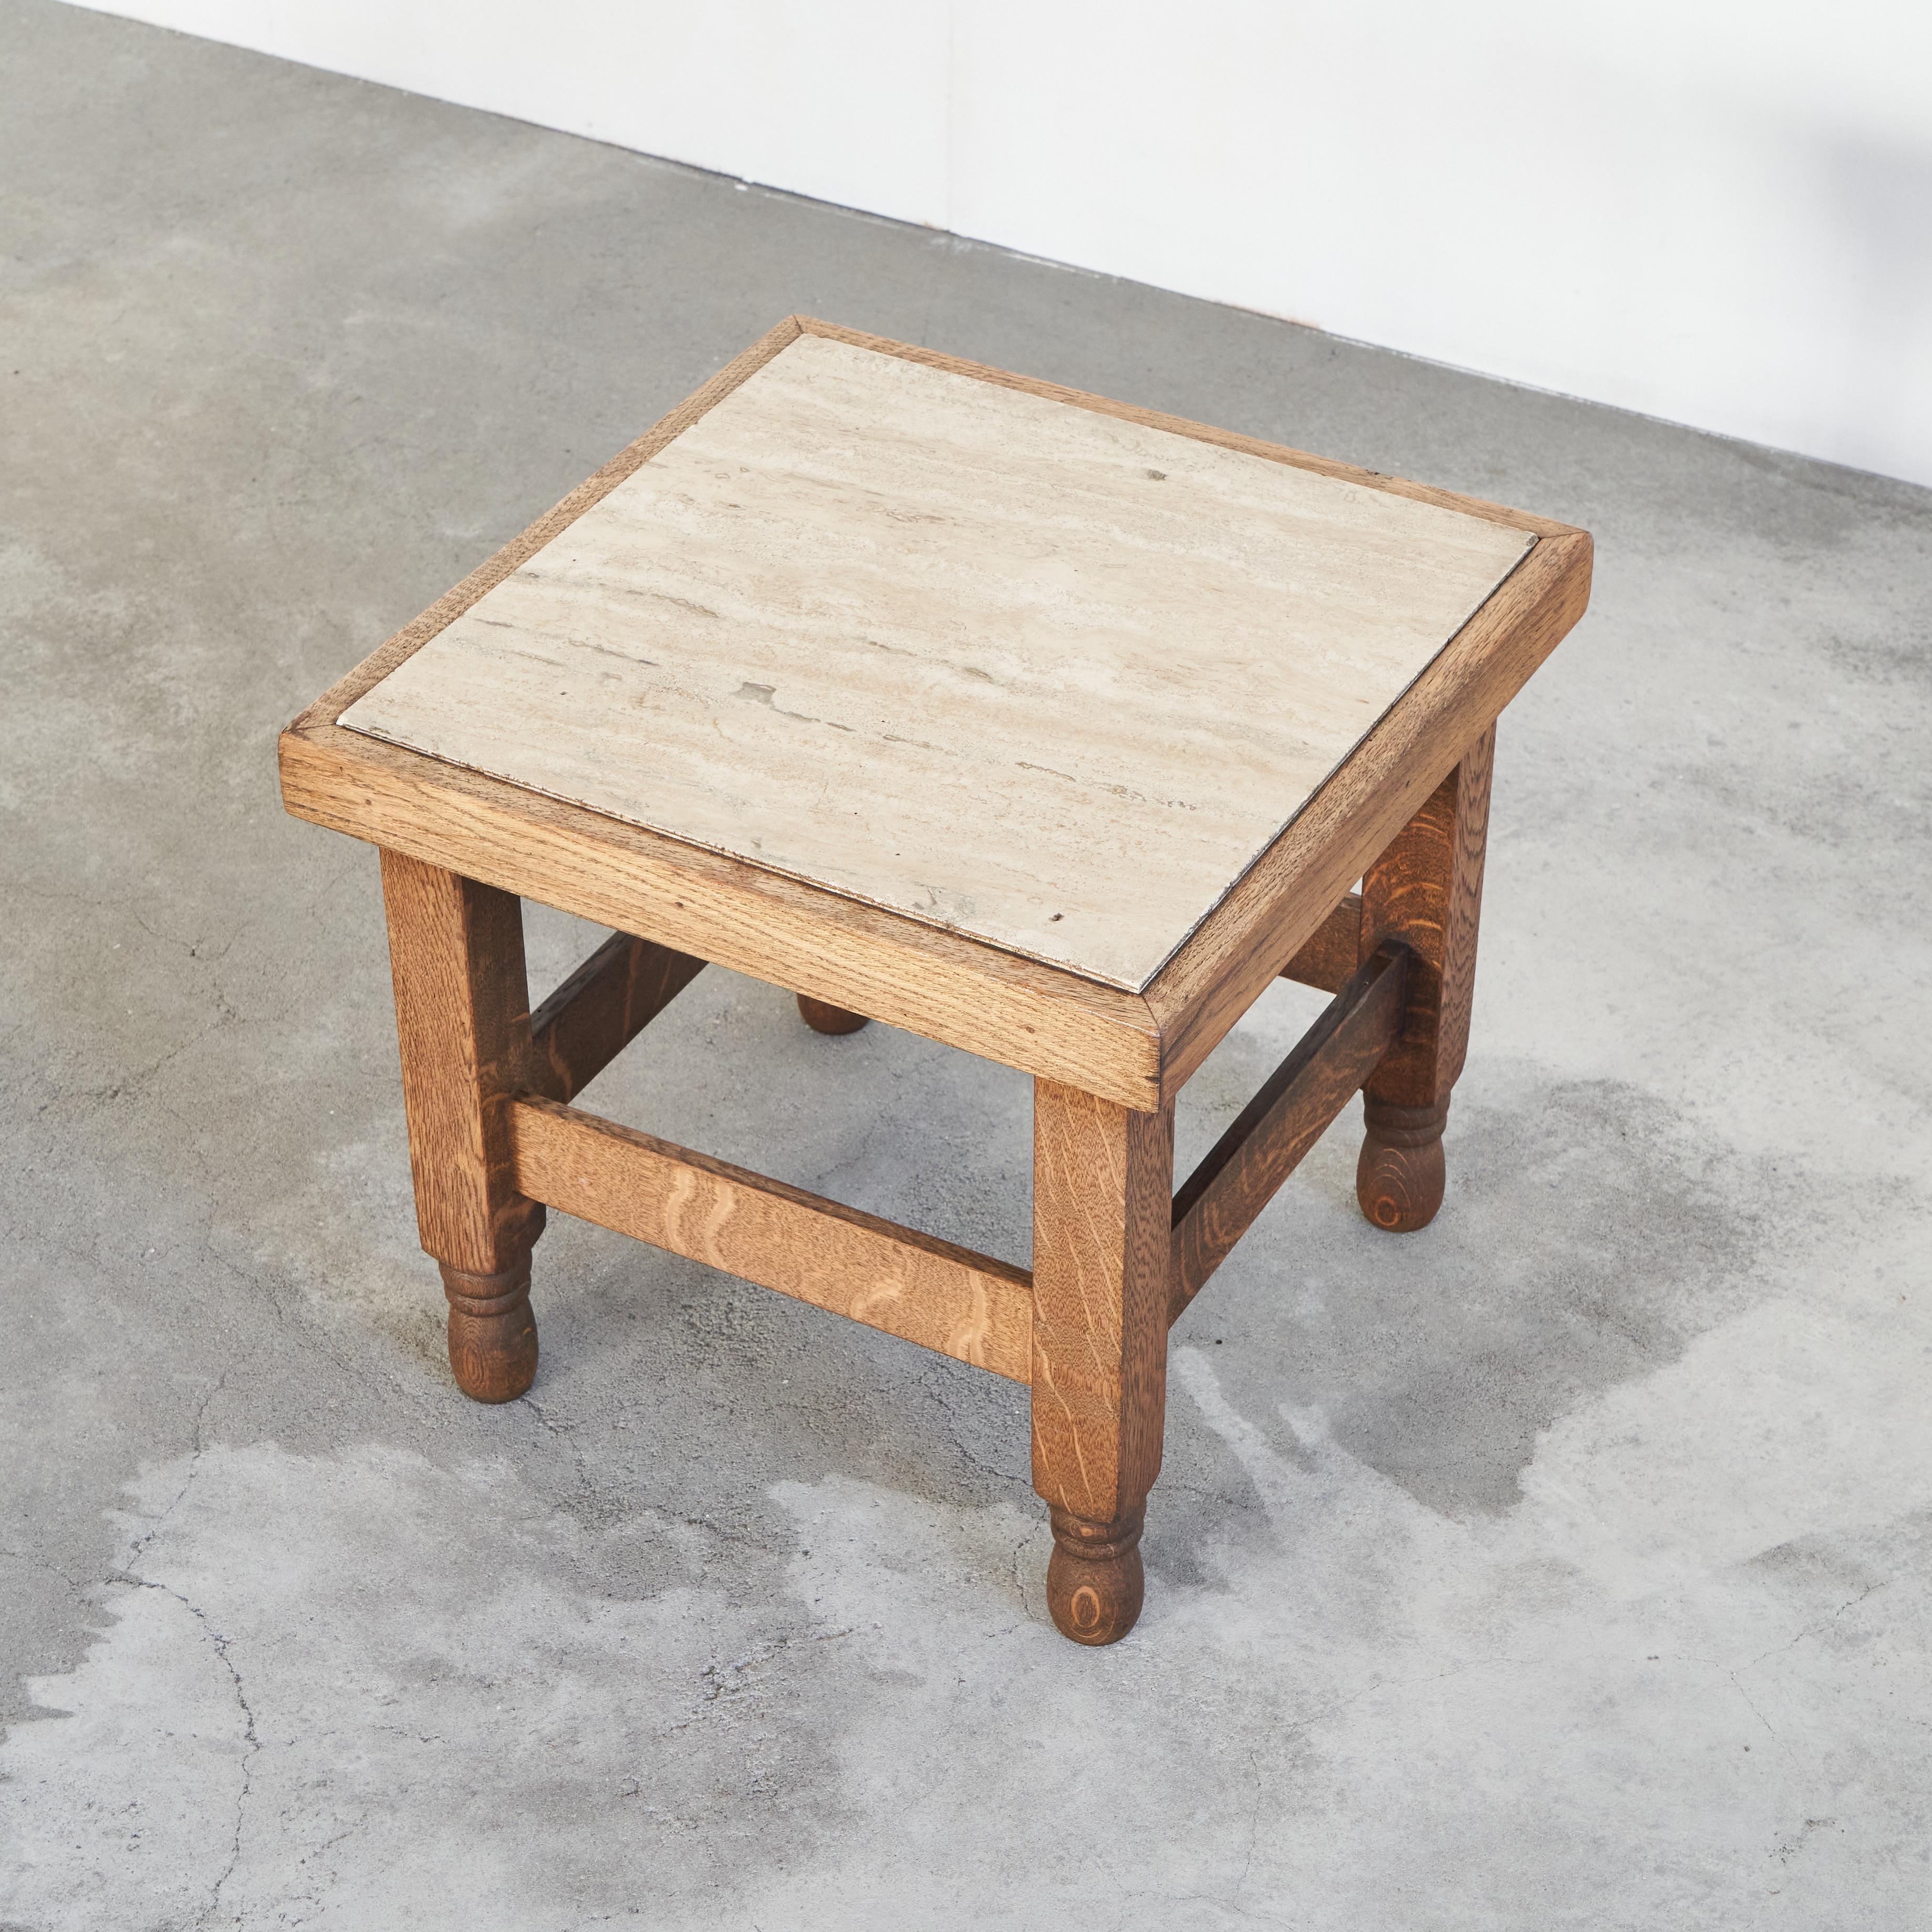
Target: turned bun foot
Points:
(1399, 1178)
(493, 1334)
(1094, 1581)
(822, 1019)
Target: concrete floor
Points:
(1567, 1565)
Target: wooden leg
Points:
(462, 1021)
(823, 1019)
(1103, 1188)
(492, 1332)
(1426, 890)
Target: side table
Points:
(1045, 726)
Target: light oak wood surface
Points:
(1103, 1180)
(1050, 678)
(1138, 1049)
(599, 1009)
(463, 1024)
(968, 1305)
(1267, 1140)
(1042, 724)
(1425, 892)
(977, 998)
(1284, 898)
(1330, 956)
(462, 1021)
(1103, 1195)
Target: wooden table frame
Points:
(1117, 1254)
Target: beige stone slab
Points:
(1049, 678)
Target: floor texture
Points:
(1564, 1566)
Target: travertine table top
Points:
(1047, 677)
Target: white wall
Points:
(1716, 210)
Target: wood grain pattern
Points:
(493, 1331)
(456, 955)
(1103, 1183)
(862, 607)
(1246, 941)
(1045, 1022)
(596, 1012)
(1267, 1141)
(977, 998)
(1094, 1580)
(965, 1305)
(1116, 1255)
(1329, 956)
(1426, 890)
(1400, 1174)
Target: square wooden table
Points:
(1046, 726)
